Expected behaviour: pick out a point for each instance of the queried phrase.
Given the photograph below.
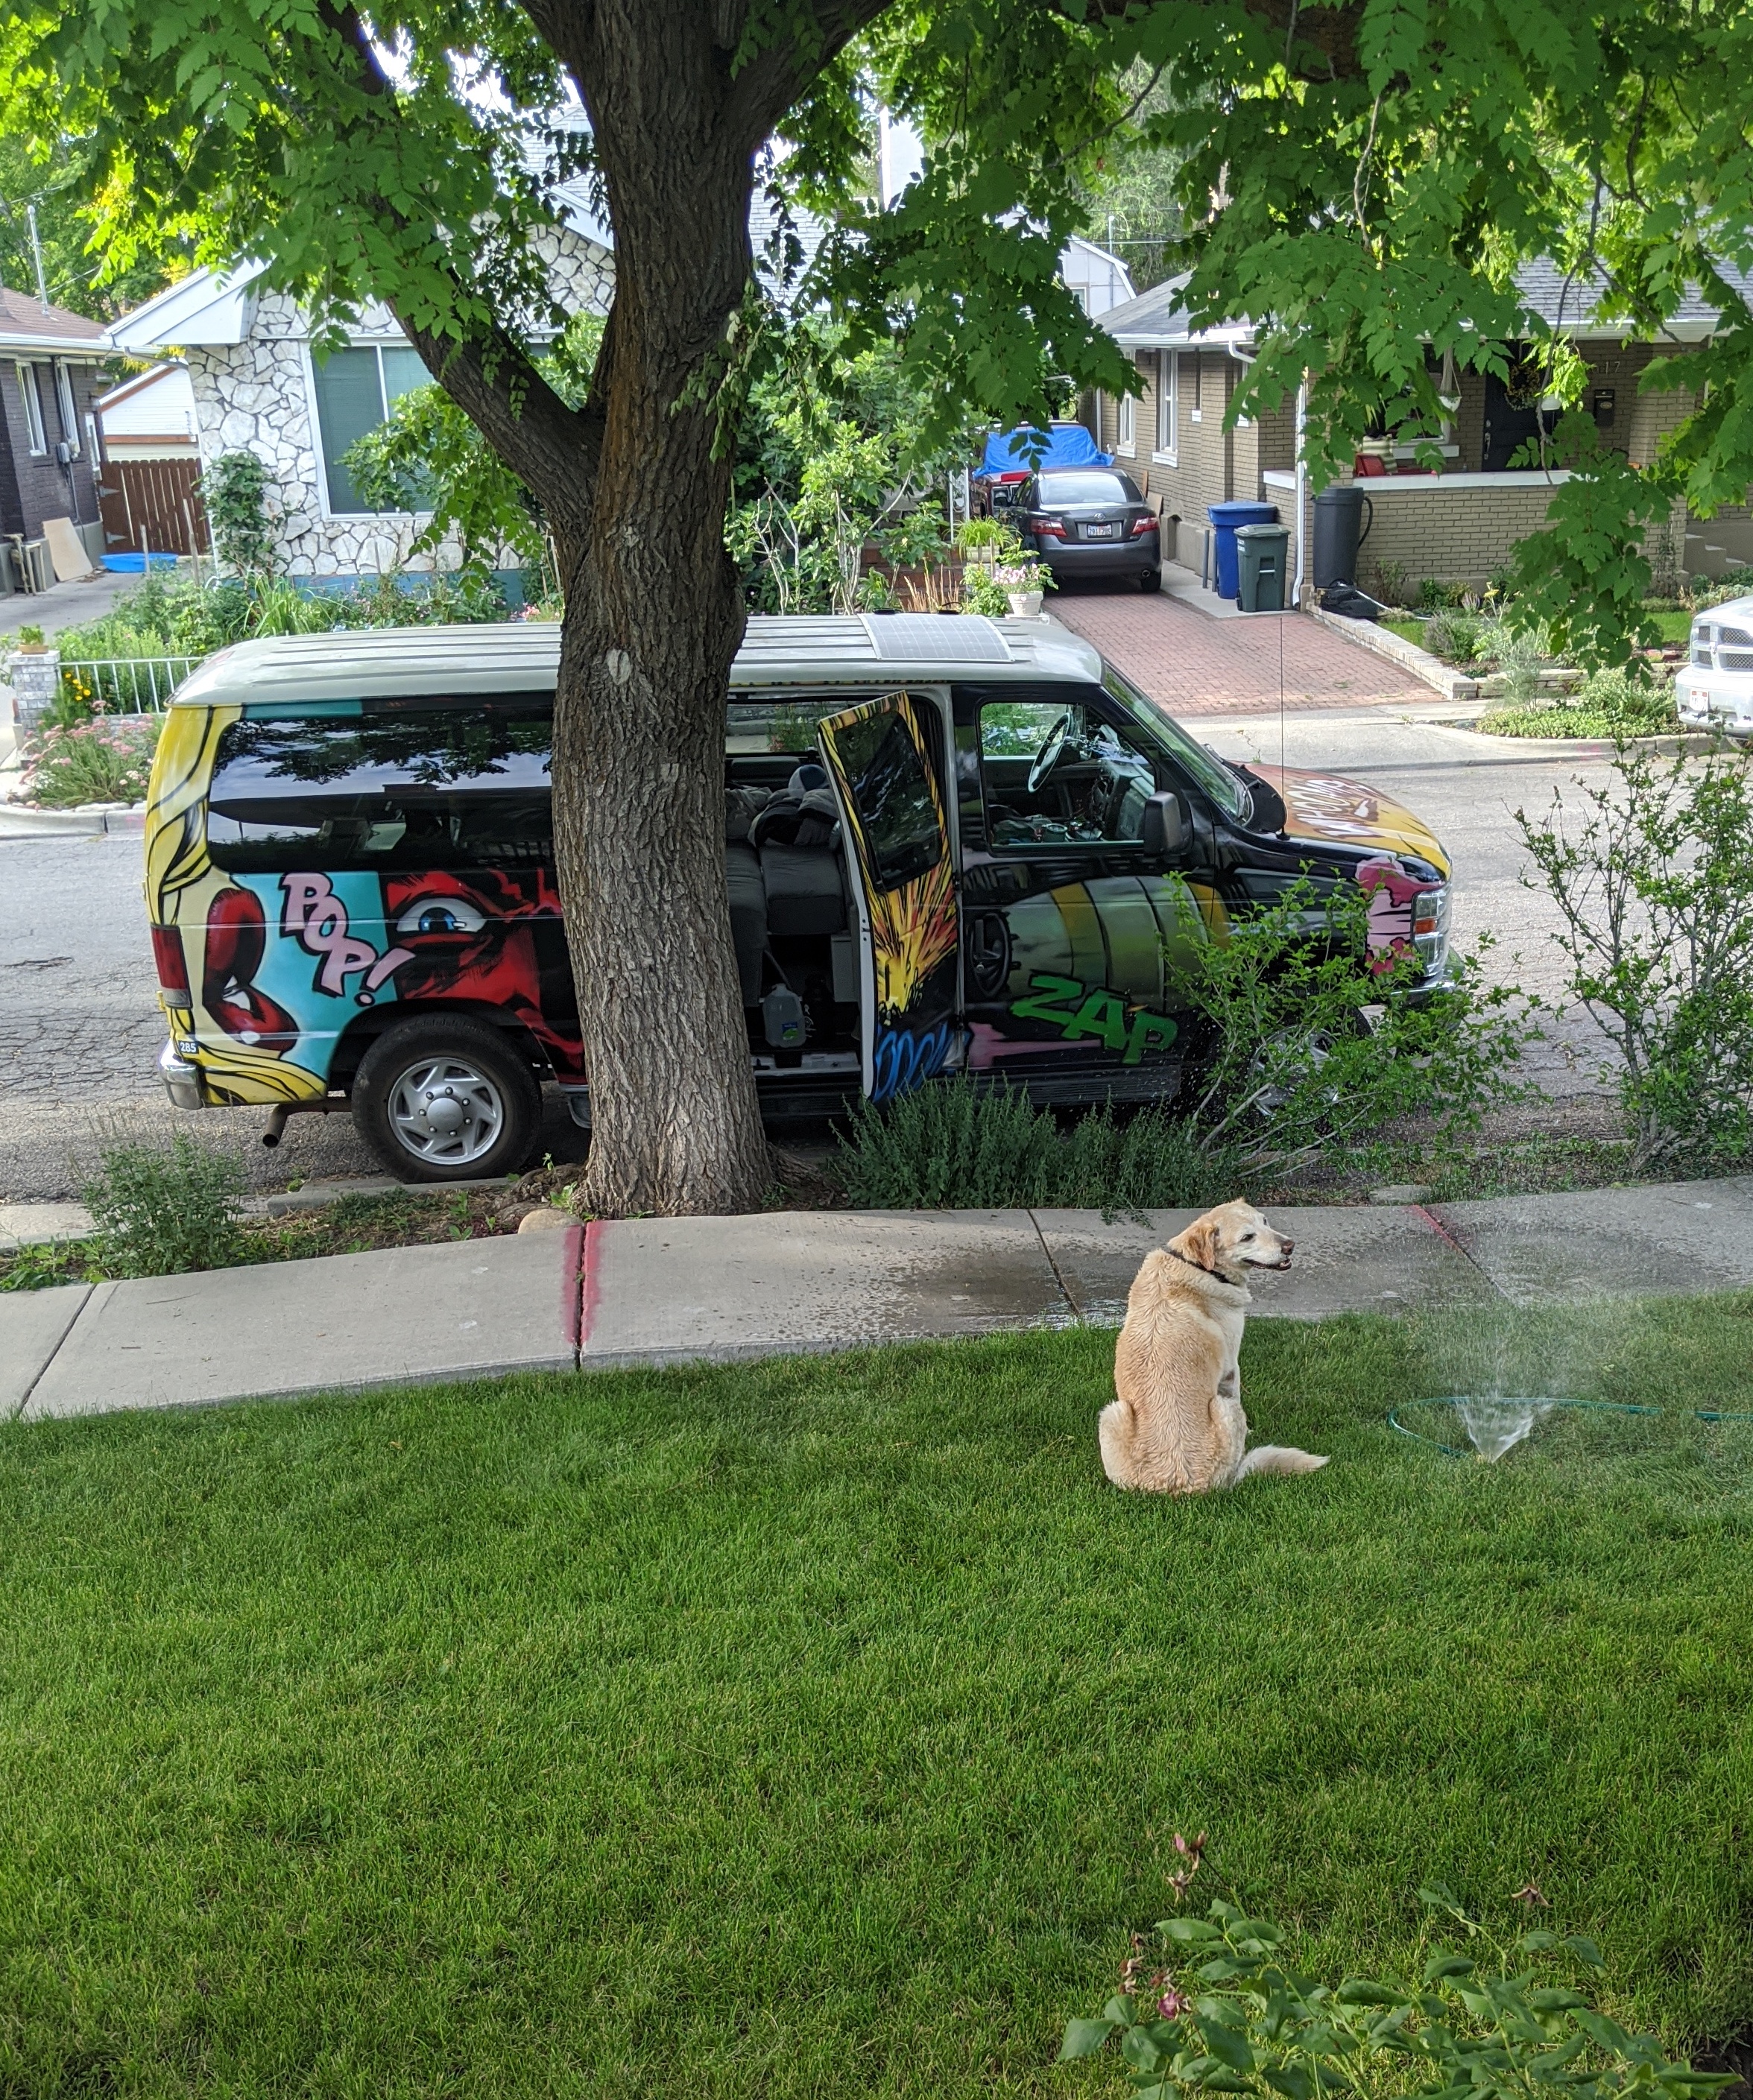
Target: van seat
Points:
(748, 916)
(804, 895)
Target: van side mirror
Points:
(1165, 832)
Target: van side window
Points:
(451, 787)
(1057, 775)
(891, 790)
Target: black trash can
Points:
(1261, 552)
(1342, 521)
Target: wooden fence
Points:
(152, 504)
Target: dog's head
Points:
(1232, 1237)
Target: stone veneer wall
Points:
(255, 396)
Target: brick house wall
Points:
(35, 486)
(1210, 465)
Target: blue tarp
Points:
(1068, 444)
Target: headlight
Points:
(1430, 928)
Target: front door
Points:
(882, 760)
(1514, 416)
(1072, 932)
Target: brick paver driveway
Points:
(1197, 665)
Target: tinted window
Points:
(427, 788)
(891, 790)
(1088, 489)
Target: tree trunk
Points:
(654, 616)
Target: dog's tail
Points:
(1278, 1458)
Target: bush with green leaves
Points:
(982, 593)
(1303, 1039)
(1617, 704)
(951, 1144)
(1453, 634)
(1652, 873)
(163, 1210)
(234, 491)
(1215, 2006)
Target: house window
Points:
(64, 400)
(1196, 414)
(34, 430)
(1168, 404)
(356, 391)
(1125, 423)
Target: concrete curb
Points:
(661, 1291)
(17, 821)
(1578, 747)
(1443, 678)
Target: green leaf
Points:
(1083, 2038)
(1139, 2050)
(1440, 1965)
(1226, 2044)
(1607, 2033)
(1190, 1931)
(1585, 1951)
(1292, 2079)
(1536, 1941)
(1360, 1991)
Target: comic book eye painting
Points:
(951, 846)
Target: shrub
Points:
(106, 758)
(1453, 634)
(234, 490)
(161, 1212)
(1214, 2008)
(1612, 703)
(981, 594)
(951, 1143)
(1654, 887)
(1307, 1039)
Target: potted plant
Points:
(30, 641)
(1023, 583)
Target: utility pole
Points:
(36, 249)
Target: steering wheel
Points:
(1050, 753)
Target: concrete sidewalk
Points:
(670, 1289)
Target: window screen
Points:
(461, 787)
(891, 790)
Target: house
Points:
(150, 417)
(1457, 525)
(53, 364)
(256, 386)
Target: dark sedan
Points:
(1091, 521)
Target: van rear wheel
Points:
(441, 1100)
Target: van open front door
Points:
(883, 760)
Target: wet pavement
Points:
(675, 1291)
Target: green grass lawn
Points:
(822, 1727)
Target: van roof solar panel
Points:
(929, 638)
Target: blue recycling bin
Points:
(1226, 517)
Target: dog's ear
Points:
(1201, 1243)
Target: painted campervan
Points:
(951, 844)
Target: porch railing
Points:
(127, 685)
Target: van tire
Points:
(413, 1074)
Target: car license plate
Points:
(1099, 531)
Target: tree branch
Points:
(554, 447)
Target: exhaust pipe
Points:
(276, 1121)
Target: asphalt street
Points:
(80, 1029)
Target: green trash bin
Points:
(1262, 552)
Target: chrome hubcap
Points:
(446, 1110)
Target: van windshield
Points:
(1226, 788)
